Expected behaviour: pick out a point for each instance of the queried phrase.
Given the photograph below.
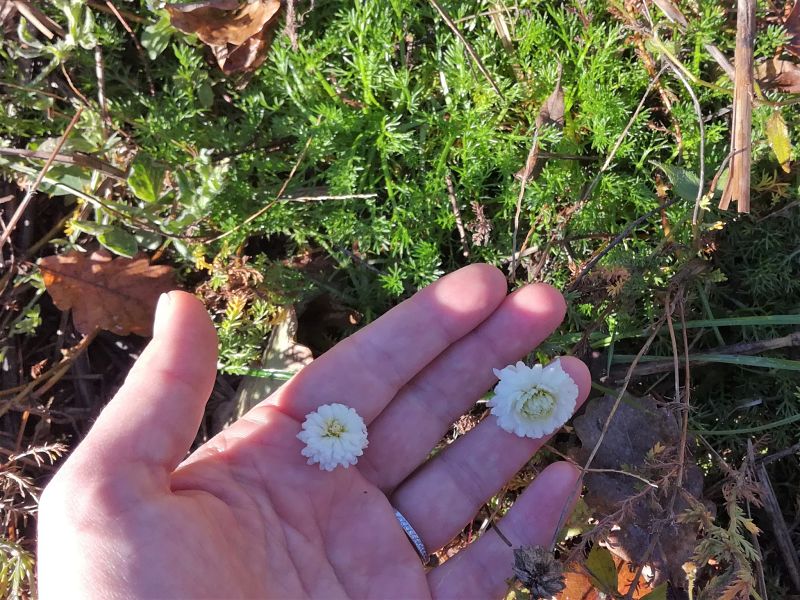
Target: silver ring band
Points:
(413, 536)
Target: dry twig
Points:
(738, 187)
(116, 12)
(470, 50)
(29, 195)
(462, 234)
(38, 19)
(278, 196)
(512, 270)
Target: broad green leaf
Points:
(205, 94)
(602, 569)
(659, 593)
(119, 242)
(149, 240)
(684, 183)
(92, 228)
(145, 179)
(155, 37)
(778, 137)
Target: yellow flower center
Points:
(537, 402)
(333, 429)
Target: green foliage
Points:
(17, 571)
(374, 110)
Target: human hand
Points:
(130, 516)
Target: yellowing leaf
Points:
(750, 526)
(778, 137)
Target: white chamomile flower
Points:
(533, 401)
(334, 435)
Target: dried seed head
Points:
(538, 570)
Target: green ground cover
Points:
(375, 154)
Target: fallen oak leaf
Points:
(219, 22)
(244, 58)
(239, 34)
(115, 294)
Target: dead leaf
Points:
(637, 427)
(551, 113)
(792, 25)
(781, 75)
(7, 12)
(672, 12)
(239, 34)
(115, 294)
(245, 58)
(579, 584)
(778, 137)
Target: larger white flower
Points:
(533, 401)
(334, 435)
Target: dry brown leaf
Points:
(672, 12)
(246, 57)
(115, 294)
(638, 426)
(579, 585)
(782, 75)
(239, 34)
(792, 25)
(551, 113)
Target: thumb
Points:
(156, 413)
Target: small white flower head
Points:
(334, 435)
(533, 401)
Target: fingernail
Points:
(162, 311)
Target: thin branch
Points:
(512, 270)
(78, 158)
(99, 70)
(47, 380)
(320, 198)
(587, 194)
(462, 234)
(115, 11)
(618, 239)
(277, 199)
(29, 195)
(620, 395)
(701, 126)
(38, 19)
(470, 50)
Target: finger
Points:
(481, 571)
(156, 413)
(444, 495)
(366, 370)
(402, 437)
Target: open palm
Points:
(244, 516)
